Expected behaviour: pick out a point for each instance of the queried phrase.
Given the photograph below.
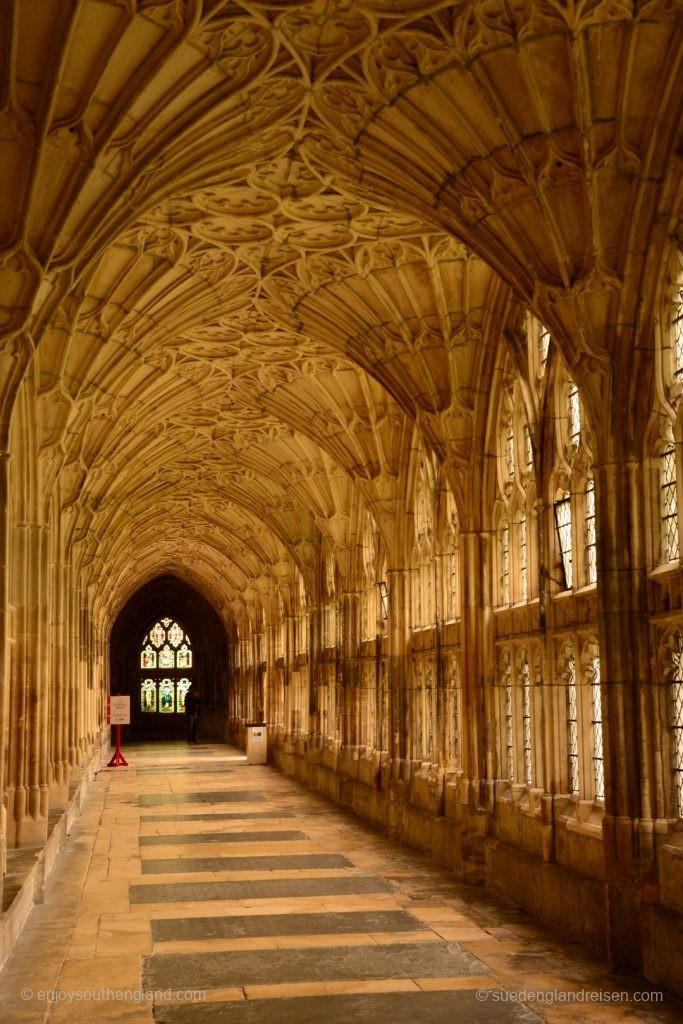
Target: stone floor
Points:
(233, 895)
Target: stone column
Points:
(5, 626)
(478, 714)
(27, 792)
(625, 672)
(398, 667)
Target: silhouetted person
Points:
(192, 706)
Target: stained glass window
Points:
(166, 696)
(677, 721)
(669, 503)
(184, 657)
(157, 634)
(572, 726)
(148, 658)
(183, 687)
(563, 525)
(166, 656)
(590, 548)
(175, 635)
(148, 695)
(596, 727)
(526, 720)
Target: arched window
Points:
(166, 661)
(514, 505)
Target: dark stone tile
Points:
(384, 1008)
(279, 836)
(276, 888)
(328, 963)
(222, 796)
(187, 928)
(276, 862)
(229, 816)
(186, 769)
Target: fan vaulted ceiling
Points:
(251, 245)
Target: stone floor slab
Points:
(188, 928)
(261, 890)
(378, 1008)
(275, 836)
(337, 963)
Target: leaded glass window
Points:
(563, 525)
(166, 696)
(526, 720)
(165, 650)
(596, 729)
(572, 726)
(543, 347)
(184, 657)
(509, 448)
(669, 503)
(505, 564)
(148, 695)
(528, 449)
(573, 415)
(166, 657)
(590, 551)
(523, 568)
(157, 635)
(677, 332)
(148, 658)
(183, 687)
(676, 711)
(507, 696)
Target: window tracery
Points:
(515, 499)
(165, 651)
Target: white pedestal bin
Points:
(257, 743)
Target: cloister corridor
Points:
(235, 895)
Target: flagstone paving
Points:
(301, 913)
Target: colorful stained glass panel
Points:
(175, 635)
(166, 696)
(184, 657)
(157, 634)
(148, 695)
(183, 687)
(148, 658)
(166, 657)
